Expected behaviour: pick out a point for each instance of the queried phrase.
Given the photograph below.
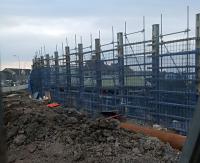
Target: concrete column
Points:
(56, 68)
(120, 44)
(42, 78)
(198, 52)
(33, 63)
(98, 71)
(47, 71)
(56, 58)
(120, 50)
(98, 64)
(42, 61)
(155, 55)
(120, 59)
(47, 64)
(155, 63)
(81, 76)
(36, 62)
(67, 55)
(80, 61)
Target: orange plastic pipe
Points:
(175, 140)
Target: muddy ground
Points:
(38, 134)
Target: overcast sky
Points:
(26, 25)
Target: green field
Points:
(129, 81)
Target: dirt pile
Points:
(36, 134)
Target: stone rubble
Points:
(37, 134)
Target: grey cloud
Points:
(26, 25)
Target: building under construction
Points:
(153, 81)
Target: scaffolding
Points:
(152, 81)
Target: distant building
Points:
(13, 76)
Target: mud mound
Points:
(36, 134)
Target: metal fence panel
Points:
(152, 81)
